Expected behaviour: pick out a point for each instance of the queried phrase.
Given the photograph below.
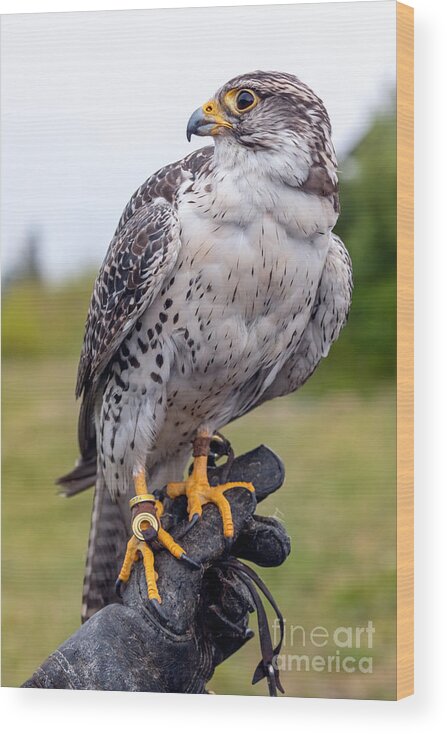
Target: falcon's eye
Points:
(240, 100)
(244, 100)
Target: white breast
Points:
(242, 293)
(259, 269)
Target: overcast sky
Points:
(93, 103)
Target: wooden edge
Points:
(405, 243)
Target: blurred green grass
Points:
(338, 504)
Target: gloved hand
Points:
(203, 618)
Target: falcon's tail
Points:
(81, 477)
(109, 532)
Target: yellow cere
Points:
(213, 109)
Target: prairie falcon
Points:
(223, 287)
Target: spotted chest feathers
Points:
(223, 325)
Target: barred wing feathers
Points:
(141, 255)
(139, 259)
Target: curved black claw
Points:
(192, 522)
(119, 587)
(228, 543)
(156, 606)
(190, 561)
(254, 500)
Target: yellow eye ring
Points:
(241, 100)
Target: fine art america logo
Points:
(347, 646)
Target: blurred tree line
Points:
(46, 322)
(365, 353)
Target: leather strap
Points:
(201, 446)
(266, 668)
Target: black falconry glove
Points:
(203, 619)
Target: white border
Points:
(66, 712)
(34, 6)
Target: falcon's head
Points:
(265, 111)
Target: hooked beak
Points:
(207, 120)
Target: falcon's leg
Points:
(146, 527)
(199, 491)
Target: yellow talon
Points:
(138, 548)
(169, 543)
(199, 492)
(149, 569)
(135, 549)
